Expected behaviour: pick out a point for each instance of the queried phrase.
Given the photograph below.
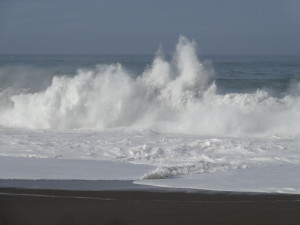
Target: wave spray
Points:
(176, 95)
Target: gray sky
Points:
(140, 26)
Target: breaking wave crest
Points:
(178, 95)
(200, 167)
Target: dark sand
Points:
(43, 207)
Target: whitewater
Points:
(171, 126)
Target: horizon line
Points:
(144, 54)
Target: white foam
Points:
(199, 167)
(170, 156)
(280, 178)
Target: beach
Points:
(33, 206)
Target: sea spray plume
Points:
(91, 99)
(109, 97)
(192, 75)
(182, 79)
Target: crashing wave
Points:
(178, 95)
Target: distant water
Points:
(185, 113)
(240, 73)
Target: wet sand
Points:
(43, 207)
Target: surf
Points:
(176, 95)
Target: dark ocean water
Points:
(277, 74)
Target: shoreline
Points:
(42, 206)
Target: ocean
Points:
(213, 122)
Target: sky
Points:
(231, 27)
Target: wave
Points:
(177, 95)
(199, 167)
